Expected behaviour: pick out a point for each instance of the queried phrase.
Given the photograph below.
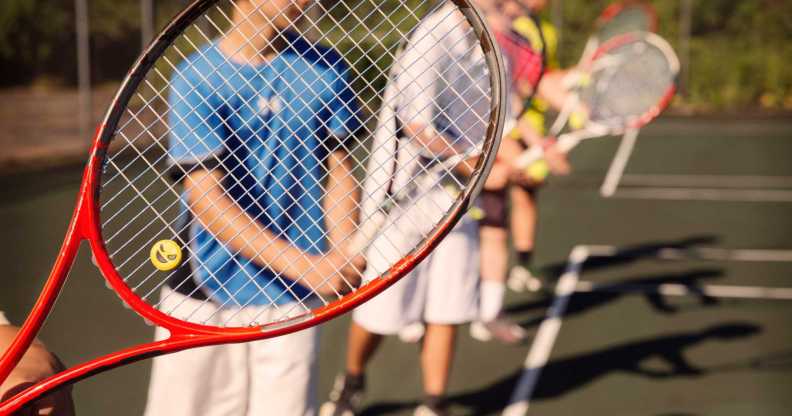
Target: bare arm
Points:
(230, 224)
(36, 365)
(553, 90)
(341, 201)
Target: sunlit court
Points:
(359, 207)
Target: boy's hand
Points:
(557, 161)
(337, 273)
(36, 365)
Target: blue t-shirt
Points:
(270, 128)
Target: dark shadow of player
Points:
(564, 375)
(631, 254)
(648, 287)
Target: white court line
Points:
(699, 194)
(709, 181)
(619, 164)
(670, 289)
(719, 254)
(546, 335)
(570, 283)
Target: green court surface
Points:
(692, 185)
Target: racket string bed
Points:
(253, 157)
(629, 81)
(263, 209)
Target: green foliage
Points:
(740, 50)
(29, 35)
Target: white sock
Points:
(491, 302)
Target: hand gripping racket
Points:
(626, 84)
(230, 164)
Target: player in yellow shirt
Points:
(529, 130)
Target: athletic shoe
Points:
(412, 333)
(424, 410)
(500, 329)
(345, 399)
(521, 278)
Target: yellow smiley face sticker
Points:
(166, 255)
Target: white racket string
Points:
(141, 205)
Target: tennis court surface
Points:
(681, 306)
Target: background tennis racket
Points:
(137, 222)
(525, 62)
(626, 84)
(618, 19)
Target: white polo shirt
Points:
(3, 320)
(440, 79)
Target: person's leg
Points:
(437, 356)
(523, 221)
(452, 278)
(204, 381)
(283, 374)
(494, 271)
(383, 315)
(494, 267)
(494, 254)
(361, 346)
(524, 217)
(348, 389)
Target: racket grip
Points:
(529, 157)
(366, 233)
(567, 142)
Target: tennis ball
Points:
(584, 80)
(166, 255)
(577, 120)
(476, 214)
(538, 171)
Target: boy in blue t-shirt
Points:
(258, 128)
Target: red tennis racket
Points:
(619, 19)
(231, 161)
(626, 84)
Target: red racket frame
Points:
(85, 226)
(667, 98)
(614, 9)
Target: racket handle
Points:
(565, 144)
(568, 142)
(366, 233)
(529, 157)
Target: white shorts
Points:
(443, 289)
(273, 377)
(3, 320)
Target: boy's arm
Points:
(553, 90)
(36, 365)
(241, 233)
(341, 201)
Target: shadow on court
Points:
(613, 291)
(564, 375)
(631, 254)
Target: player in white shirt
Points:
(442, 98)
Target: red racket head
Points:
(629, 81)
(229, 166)
(625, 17)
